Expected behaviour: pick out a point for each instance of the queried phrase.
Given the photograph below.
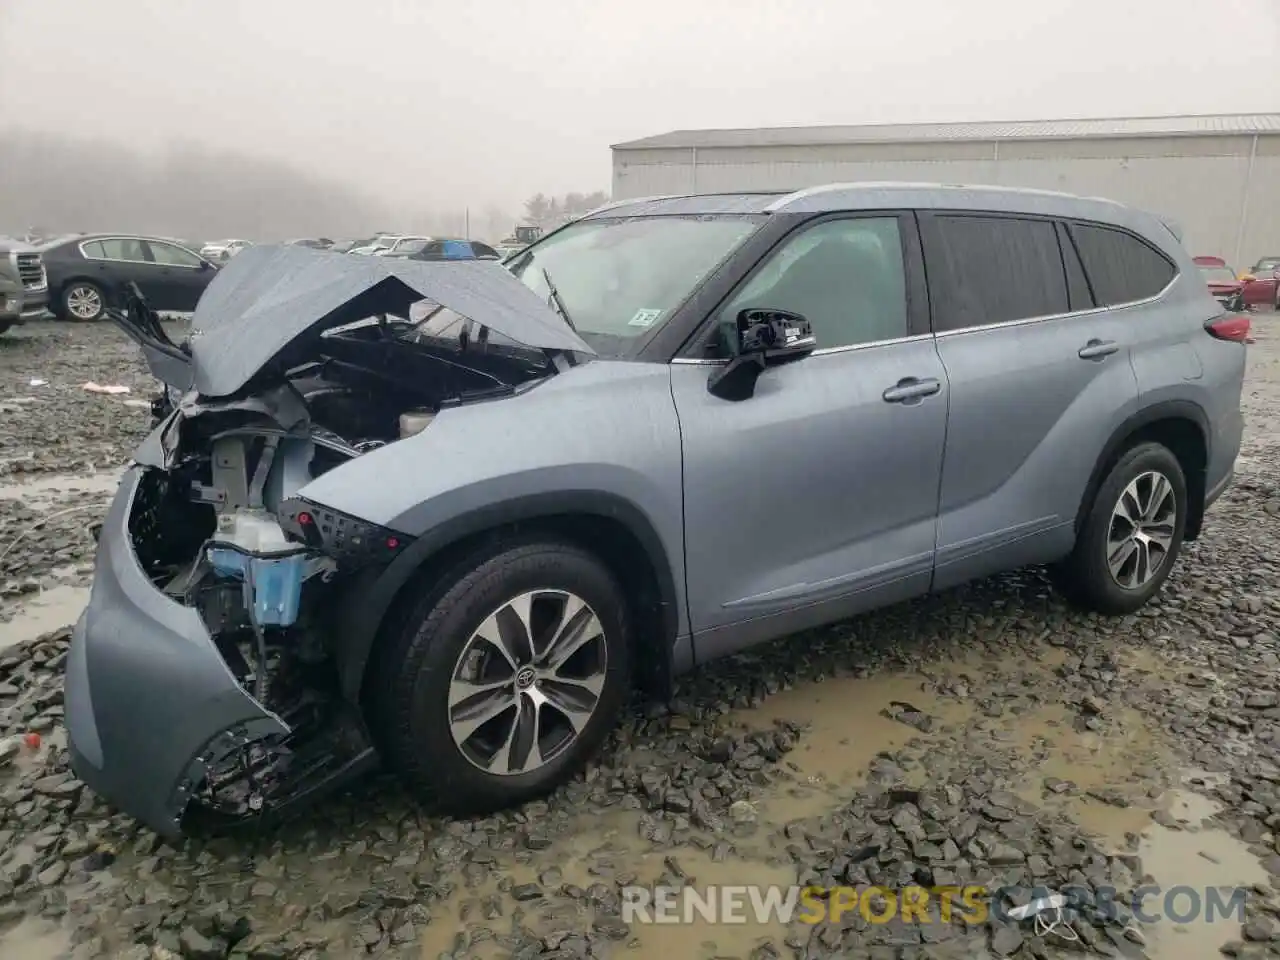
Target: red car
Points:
(1262, 283)
(1222, 281)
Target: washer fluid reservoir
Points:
(415, 421)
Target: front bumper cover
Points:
(150, 702)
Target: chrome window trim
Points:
(147, 240)
(87, 256)
(821, 352)
(1070, 315)
(179, 266)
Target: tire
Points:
(79, 296)
(414, 678)
(1085, 576)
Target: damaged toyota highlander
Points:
(443, 517)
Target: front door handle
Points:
(1097, 349)
(911, 388)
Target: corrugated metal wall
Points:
(1198, 181)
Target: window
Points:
(619, 279)
(1121, 268)
(484, 251)
(844, 276)
(174, 256)
(117, 248)
(1218, 274)
(989, 270)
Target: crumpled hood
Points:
(270, 303)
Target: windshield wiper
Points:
(556, 301)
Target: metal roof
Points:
(1189, 126)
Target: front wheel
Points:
(509, 683)
(83, 301)
(1131, 535)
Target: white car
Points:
(221, 251)
(387, 244)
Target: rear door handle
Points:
(911, 388)
(1097, 349)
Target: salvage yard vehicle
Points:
(442, 248)
(88, 272)
(220, 251)
(1262, 283)
(1222, 281)
(24, 288)
(665, 432)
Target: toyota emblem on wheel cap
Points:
(525, 677)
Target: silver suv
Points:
(443, 516)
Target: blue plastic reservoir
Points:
(276, 583)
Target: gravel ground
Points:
(989, 735)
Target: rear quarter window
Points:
(1121, 267)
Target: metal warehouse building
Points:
(1218, 177)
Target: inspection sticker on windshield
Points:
(644, 318)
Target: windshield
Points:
(1266, 266)
(1218, 274)
(410, 246)
(619, 278)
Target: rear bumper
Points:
(150, 702)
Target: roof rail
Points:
(622, 203)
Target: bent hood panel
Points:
(268, 303)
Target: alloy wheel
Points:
(84, 303)
(1141, 532)
(527, 682)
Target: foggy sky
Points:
(484, 103)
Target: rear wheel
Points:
(509, 682)
(82, 301)
(1131, 535)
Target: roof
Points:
(1187, 126)
(873, 195)
(702, 204)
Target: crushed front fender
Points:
(150, 701)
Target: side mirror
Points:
(765, 338)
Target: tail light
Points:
(1229, 326)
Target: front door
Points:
(817, 497)
(180, 277)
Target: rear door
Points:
(181, 276)
(114, 262)
(816, 497)
(1039, 379)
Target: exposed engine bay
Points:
(218, 527)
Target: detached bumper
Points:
(149, 699)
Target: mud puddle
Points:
(1102, 780)
(850, 721)
(610, 853)
(59, 485)
(42, 612)
(1197, 857)
(34, 939)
